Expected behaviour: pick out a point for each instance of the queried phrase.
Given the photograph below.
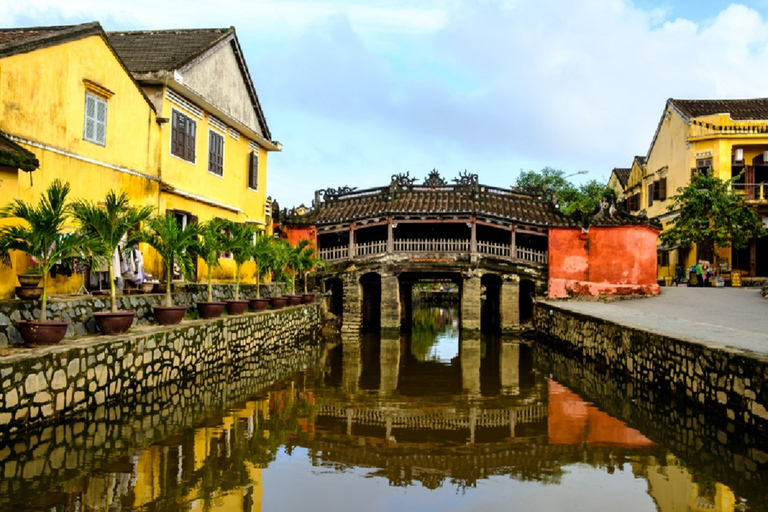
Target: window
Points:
(633, 203)
(662, 258)
(651, 195)
(183, 131)
(95, 119)
(662, 189)
(215, 153)
(253, 171)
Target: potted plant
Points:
(30, 277)
(277, 263)
(173, 244)
(108, 224)
(240, 244)
(209, 246)
(42, 236)
(293, 266)
(308, 263)
(262, 254)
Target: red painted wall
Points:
(605, 260)
(296, 234)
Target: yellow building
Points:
(171, 117)
(728, 136)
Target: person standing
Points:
(699, 270)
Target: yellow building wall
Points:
(42, 100)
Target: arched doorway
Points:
(490, 309)
(336, 302)
(527, 293)
(371, 307)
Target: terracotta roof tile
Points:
(622, 175)
(22, 40)
(16, 156)
(745, 109)
(487, 202)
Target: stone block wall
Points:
(729, 384)
(79, 309)
(38, 386)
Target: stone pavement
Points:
(721, 317)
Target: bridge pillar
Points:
(509, 368)
(351, 365)
(470, 303)
(469, 354)
(510, 304)
(390, 302)
(352, 319)
(389, 361)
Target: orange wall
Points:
(605, 260)
(296, 234)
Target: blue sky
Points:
(359, 90)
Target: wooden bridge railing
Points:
(375, 248)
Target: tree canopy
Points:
(552, 184)
(711, 212)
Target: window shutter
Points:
(90, 117)
(253, 171)
(650, 194)
(101, 121)
(663, 189)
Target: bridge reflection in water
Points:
(425, 414)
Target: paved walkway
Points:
(730, 317)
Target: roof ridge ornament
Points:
(403, 180)
(332, 194)
(434, 180)
(466, 179)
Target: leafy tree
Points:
(711, 213)
(552, 184)
(106, 225)
(42, 235)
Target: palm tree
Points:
(210, 244)
(279, 262)
(240, 245)
(173, 243)
(308, 263)
(43, 236)
(107, 225)
(294, 263)
(262, 255)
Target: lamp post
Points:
(585, 171)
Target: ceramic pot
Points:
(294, 300)
(169, 315)
(308, 298)
(236, 307)
(258, 304)
(114, 323)
(29, 292)
(146, 287)
(29, 280)
(208, 310)
(277, 302)
(36, 334)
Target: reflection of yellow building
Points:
(171, 117)
(673, 488)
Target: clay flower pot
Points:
(236, 307)
(29, 292)
(169, 315)
(277, 302)
(208, 310)
(29, 280)
(36, 334)
(308, 298)
(294, 300)
(114, 323)
(146, 287)
(258, 304)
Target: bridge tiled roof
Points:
(443, 201)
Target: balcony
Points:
(433, 246)
(752, 192)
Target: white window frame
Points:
(212, 131)
(94, 121)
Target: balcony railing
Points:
(377, 248)
(752, 191)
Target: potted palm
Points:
(210, 244)
(308, 263)
(277, 265)
(262, 254)
(240, 245)
(173, 243)
(108, 225)
(293, 266)
(42, 236)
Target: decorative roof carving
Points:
(434, 180)
(466, 179)
(403, 180)
(331, 194)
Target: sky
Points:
(357, 91)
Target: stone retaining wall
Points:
(729, 384)
(79, 309)
(40, 385)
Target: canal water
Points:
(428, 420)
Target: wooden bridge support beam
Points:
(470, 303)
(510, 304)
(390, 302)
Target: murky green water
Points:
(426, 421)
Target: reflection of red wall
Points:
(605, 260)
(573, 421)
